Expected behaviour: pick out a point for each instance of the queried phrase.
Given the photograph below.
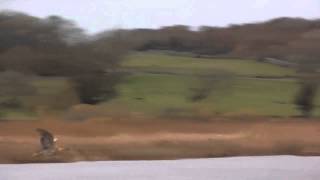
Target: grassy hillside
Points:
(239, 67)
(161, 85)
(168, 93)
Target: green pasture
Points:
(240, 67)
(235, 91)
(163, 95)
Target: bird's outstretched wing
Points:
(47, 139)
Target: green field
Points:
(239, 67)
(163, 86)
(163, 95)
(169, 94)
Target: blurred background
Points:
(135, 60)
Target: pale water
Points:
(238, 168)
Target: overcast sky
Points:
(98, 15)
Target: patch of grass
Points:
(49, 86)
(52, 95)
(261, 97)
(242, 67)
(160, 94)
(153, 93)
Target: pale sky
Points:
(98, 15)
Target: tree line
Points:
(278, 38)
(54, 46)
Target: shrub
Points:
(305, 98)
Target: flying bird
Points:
(47, 140)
